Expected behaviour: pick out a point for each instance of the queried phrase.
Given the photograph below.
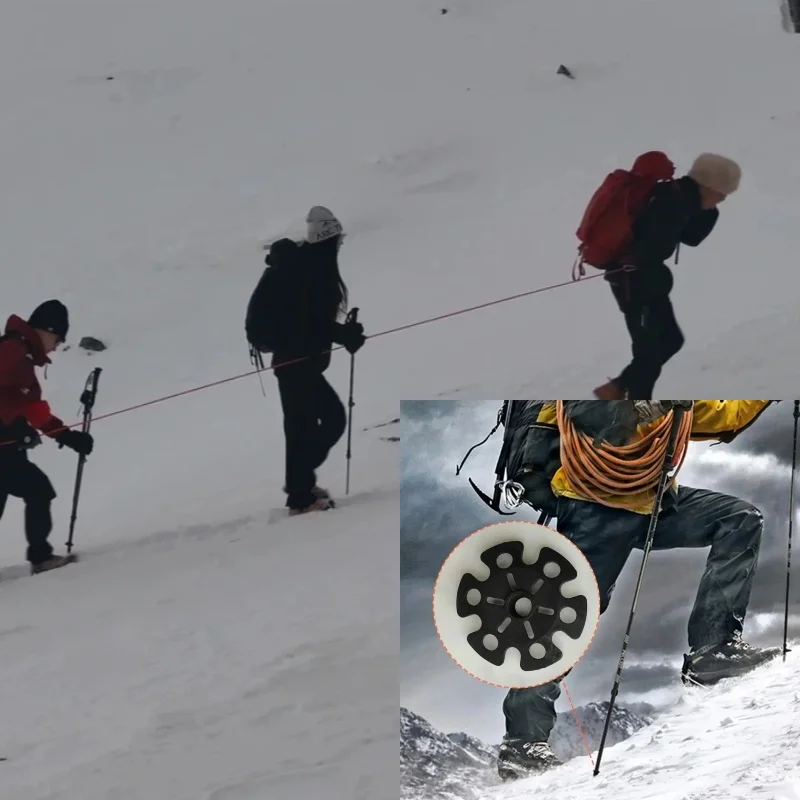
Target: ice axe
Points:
(503, 417)
(352, 317)
(88, 396)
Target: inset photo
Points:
(593, 591)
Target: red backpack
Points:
(606, 230)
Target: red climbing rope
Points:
(578, 723)
(399, 328)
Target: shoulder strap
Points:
(16, 335)
(13, 335)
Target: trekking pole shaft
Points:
(350, 404)
(76, 492)
(75, 497)
(87, 398)
(677, 416)
(351, 317)
(791, 525)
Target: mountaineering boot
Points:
(317, 491)
(54, 562)
(609, 391)
(708, 666)
(520, 759)
(320, 504)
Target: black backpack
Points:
(266, 309)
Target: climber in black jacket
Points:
(679, 212)
(312, 297)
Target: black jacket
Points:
(673, 216)
(310, 292)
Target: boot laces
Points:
(539, 750)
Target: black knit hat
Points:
(51, 316)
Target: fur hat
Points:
(716, 172)
(322, 225)
(51, 316)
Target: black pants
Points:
(21, 478)
(643, 297)
(314, 420)
(730, 527)
(655, 338)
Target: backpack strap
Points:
(4, 337)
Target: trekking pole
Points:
(669, 460)
(351, 317)
(791, 523)
(88, 397)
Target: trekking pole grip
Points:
(89, 394)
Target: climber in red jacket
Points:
(23, 413)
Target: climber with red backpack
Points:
(635, 222)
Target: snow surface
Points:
(457, 765)
(736, 741)
(149, 150)
(210, 661)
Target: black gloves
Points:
(351, 335)
(82, 443)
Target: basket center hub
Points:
(519, 605)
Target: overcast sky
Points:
(438, 510)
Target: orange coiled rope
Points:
(600, 473)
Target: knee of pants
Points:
(40, 491)
(674, 345)
(740, 530)
(751, 521)
(337, 422)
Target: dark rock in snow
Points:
(90, 343)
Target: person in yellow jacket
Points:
(608, 526)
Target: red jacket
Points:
(20, 392)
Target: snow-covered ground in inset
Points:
(737, 741)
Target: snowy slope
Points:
(738, 741)
(458, 765)
(149, 150)
(205, 663)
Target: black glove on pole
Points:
(669, 463)
(351, 317)
(87, 400)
